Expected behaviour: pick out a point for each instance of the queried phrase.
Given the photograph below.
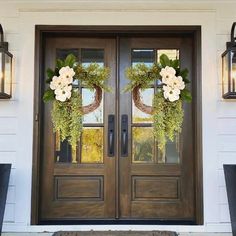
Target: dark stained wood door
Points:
(135, 183)
(155, 185)
(79, 185)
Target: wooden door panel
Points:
(155, 188)
(160, 187)
(76, 189)
(79, 188)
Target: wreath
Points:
(170, 82)
(65, 83)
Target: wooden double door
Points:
(117, 172)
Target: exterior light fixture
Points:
(229, 68)
(5, 68)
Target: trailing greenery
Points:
(67, 118)
(167, 113)
(168, 119)
(67, 114)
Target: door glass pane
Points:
(142, 144)
(171, 154)
(171, 53)
(95, 116)
(146, 56)
(92, 55)
(92, 145)
(62, 53)
(139, 116)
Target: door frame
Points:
(43, 31)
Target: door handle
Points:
(124, 135)
(111, 136)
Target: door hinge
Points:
(36, 117)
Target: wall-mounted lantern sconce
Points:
(5, 68)
(229, 68)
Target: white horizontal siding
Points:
(9, 215)
(9, 18)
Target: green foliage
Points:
(48, 95)
(93, 74)
(141, 75)
(168, 118)
(186, 95)
(67, 118)
(145, 76)
(164, 60)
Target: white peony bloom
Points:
(63, 93)
(54, 84)
(68, 80)
(171, 94)
(178, 83)
(57, 83)
(167, 74)
(67, 72)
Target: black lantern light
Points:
(229, 68)
(5, 68)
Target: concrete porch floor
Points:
(181, 234)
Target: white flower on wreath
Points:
(62, 94)
(170, 93)
(178, 83)
(66, 72)
(57, 82)
(167, 74)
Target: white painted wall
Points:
(16, 116)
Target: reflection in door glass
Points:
(146, 56)
(139, 116)
(92, 55)
(171, 154)
(142, 144)
(92, 145)
(95, 116)
(171, 53)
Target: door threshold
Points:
(118, 222)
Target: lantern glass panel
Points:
(233, 71)
(8, 74)
(225, 73)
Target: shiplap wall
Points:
(11, 111)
